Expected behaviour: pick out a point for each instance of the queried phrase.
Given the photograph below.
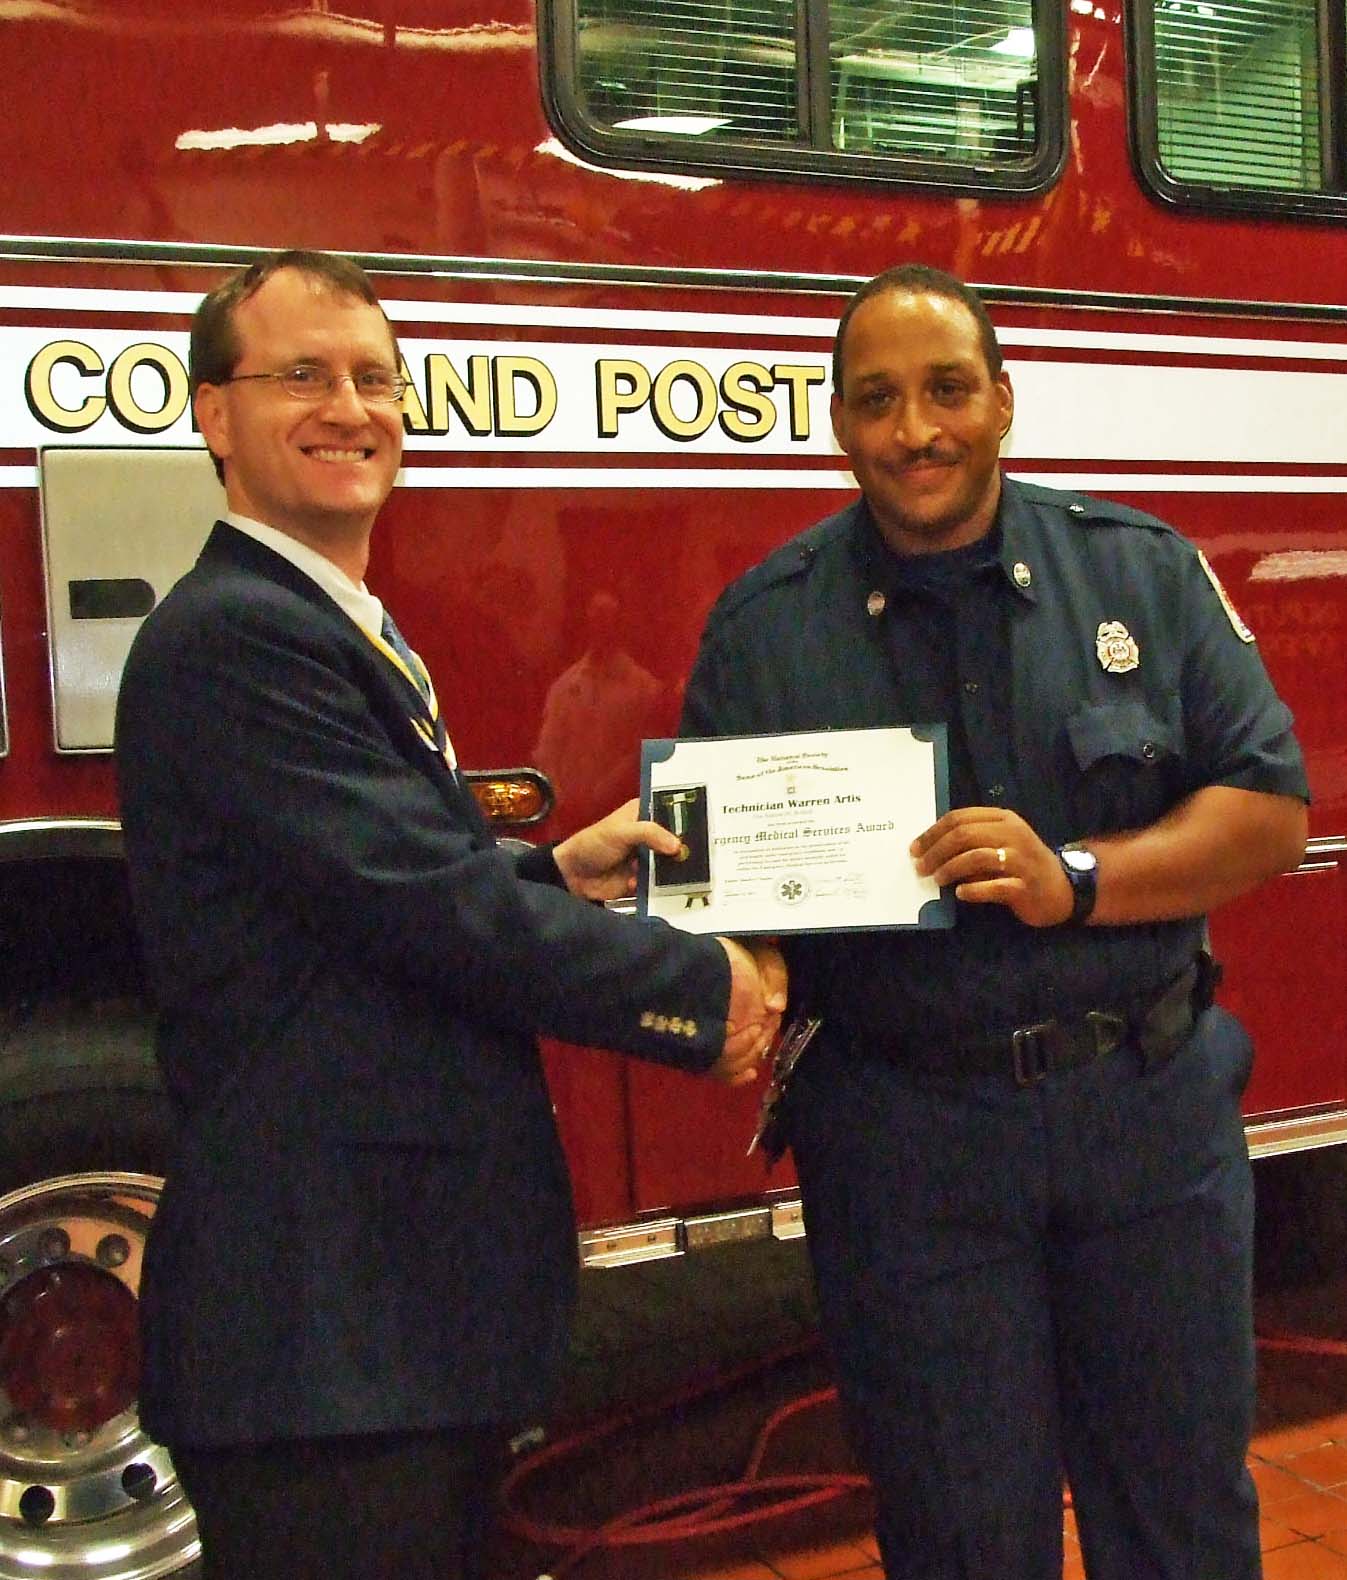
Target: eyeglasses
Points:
(307, 381)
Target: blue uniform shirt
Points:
(1090, 675)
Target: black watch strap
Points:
(1081, 867)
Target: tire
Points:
(84, 1131)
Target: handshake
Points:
(757, 1002)
(599, 863)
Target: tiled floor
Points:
(1298, 1459)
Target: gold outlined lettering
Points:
(37, 387)
(621, 386)
(508, 374)
(752, 413)
(667, 420)
(122, 396)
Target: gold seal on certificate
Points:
(795, 833)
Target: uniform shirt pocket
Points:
(1128, 757)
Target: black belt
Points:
(1029, 1053)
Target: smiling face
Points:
(318, 470)
(921, 419)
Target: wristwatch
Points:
(1081, 867)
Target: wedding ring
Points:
(1000, 855)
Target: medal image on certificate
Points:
(682, 809)
(795, 833)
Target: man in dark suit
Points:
(362, 1261)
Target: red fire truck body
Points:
(618, 332)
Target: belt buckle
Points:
(1031, 1051)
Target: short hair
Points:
(920, 279)
(215, 349)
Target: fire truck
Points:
(613, 237)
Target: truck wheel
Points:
(83, 1491)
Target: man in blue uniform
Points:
(1019, 1140)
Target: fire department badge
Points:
(1118, 652)
(1232, 614)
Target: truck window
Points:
(1232, 105)
(964, 92)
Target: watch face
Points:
(1080, 860)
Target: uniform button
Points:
(1148, 751)
(996, 791)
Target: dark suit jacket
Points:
(367, 1225)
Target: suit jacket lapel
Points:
(393, 698)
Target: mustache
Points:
(931, 455)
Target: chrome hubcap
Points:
(83, 1491)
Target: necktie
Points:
(415, 669)
(411, 666)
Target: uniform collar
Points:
(1011, 545)
(1021, 541)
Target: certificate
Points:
(795, 833)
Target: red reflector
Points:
(69, 1347)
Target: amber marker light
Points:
(515, 796)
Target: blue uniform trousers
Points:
(1024, 1283)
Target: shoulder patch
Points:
(1232, 614)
